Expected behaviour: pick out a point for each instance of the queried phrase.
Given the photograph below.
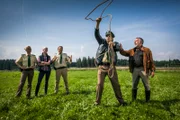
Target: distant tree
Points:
(73, 64)
(93, 62)
(84, 62)
(89, 62)
(78, 62)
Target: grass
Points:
(78, 105)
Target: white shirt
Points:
(23, 60)
(65, 59)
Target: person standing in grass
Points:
(106, 66)
(44, 61)
(27, 63)
(60, 65)
(141, 65)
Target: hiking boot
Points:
(134, 94)
(147, 93)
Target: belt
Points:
(61, 68)
(138, 66)
(29, 69)
(106, 64)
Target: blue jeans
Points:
(40, 77)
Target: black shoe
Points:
(28, 97)
(123, 104)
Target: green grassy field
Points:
(78, 105)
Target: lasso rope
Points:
(110, 48)
(88, 18)
(96, 8)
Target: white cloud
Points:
(166, 55)
(10, 52)
(82, 48)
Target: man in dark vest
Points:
(106, 65)
(141, 65)
(44, 61)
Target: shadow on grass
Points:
(84, 92)
(165, 104)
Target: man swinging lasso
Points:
(104, 64)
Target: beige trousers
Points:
(114, 81)
(25, 74)
(61, 72)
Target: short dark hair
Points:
(61, 47)
(142, 40)
(108, 33)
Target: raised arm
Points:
(96, 33)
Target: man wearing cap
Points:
(44, 61)
(106, 65)
(27, 64)
(60, 65)
(141, 65)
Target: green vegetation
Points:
(78, 105)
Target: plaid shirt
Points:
(45, 59)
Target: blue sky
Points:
(51, 23)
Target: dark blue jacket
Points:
(103, 47)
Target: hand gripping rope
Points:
(110, 48)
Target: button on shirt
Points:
(65, 59)
(138, 58)
(24, 60)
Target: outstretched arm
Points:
(124, 52)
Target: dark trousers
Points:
(115, 84)
(40, 77)
(25, 74)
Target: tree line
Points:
(9, 64)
